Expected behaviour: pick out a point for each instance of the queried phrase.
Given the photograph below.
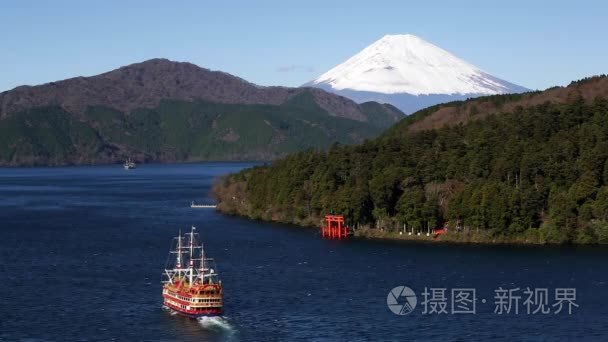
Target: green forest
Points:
(179, 131)
(537, 174)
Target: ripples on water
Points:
(82, 250)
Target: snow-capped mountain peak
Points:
(406, 64)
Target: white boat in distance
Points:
(194, 205)
(129, 164)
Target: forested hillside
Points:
(534, 173)
(172, 132)
(164, 111)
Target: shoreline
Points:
(451, 238)
(460, 238)
(119, 163)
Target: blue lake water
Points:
(82, 250)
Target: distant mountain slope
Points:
(462, 112)
(530, 168)
(411, 74)
(160, 110)
(144, 85)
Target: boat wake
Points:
(216, 323)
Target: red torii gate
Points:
(334, 227)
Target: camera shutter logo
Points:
(401, 300)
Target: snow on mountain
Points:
(411, 74)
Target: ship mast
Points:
(178, 264)
(202, 272)
(191, 260)
(186, 252)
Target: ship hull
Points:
(211, 312)
(187, 304)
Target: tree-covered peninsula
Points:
(529, 168)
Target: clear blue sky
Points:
(536, 44)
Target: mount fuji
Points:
(411, 74)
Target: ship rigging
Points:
(191, 284)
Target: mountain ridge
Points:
(144, 84)
(462, 112)
(160, 110)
